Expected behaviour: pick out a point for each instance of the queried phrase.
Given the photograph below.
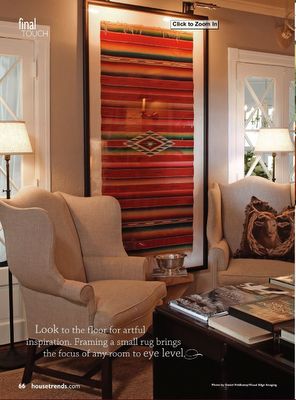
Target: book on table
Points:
(213, 303)
(240, 329)
(265, 289)
(288, 333)
(200, 312)
(270, 313)
(287, 281)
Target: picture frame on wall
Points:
(145, 99)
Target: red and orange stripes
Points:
(147, 87)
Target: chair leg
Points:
(107, 378)
(28, 371)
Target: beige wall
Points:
(237, 29)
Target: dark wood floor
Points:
(5, 347)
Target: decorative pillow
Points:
(267, 234)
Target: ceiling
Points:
(277, 8)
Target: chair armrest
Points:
(219, 255)
(44, 310)
(79, 292)
(125, 268)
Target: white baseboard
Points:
(20, 331)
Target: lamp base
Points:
(12, 358)
(273, 167)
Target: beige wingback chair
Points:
(68, 257)
(226, 217)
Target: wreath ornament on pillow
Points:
(273, 246)
(267, 234)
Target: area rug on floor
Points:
(132, 379)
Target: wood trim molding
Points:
(233, 168)
(251, 7)
(257, 57)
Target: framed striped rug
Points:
(146, 139)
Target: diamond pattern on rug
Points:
(149, 143)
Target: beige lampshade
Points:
(274, 140)
(14, 138)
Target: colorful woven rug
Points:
(147, 134)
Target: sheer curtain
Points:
(10, 109)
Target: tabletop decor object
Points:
(170, 263)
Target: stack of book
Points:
(239, 311)
(270, 313)
(213, 303)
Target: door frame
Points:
(41, 126)
(41, 71)
(236, 56)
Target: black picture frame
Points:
(87, 107)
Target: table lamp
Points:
(14, 140)
(274, 140)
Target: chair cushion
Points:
(267, 234)
(242, 270)
(120, 302)
(67, 249)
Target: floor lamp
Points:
(274, 140)
(14, 140)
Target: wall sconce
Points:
(188, 7)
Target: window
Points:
(16, 103)
(261, 95)
(10, 109)
(258, 113)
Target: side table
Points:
(176, 285)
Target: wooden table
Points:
(214, 365)
(176, 285)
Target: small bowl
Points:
(170, 262)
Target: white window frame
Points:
(41, 126)
(41, 70)
(235, 56)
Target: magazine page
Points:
(147, 199)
